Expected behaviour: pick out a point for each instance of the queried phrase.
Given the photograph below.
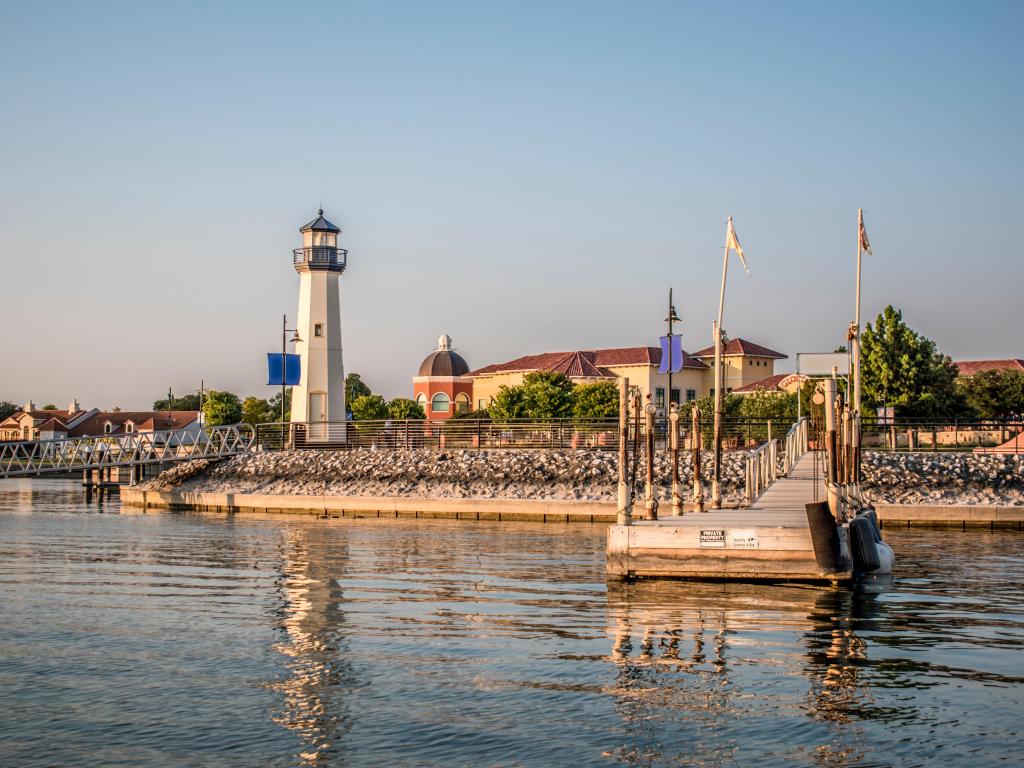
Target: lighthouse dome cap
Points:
(444, 361)
(319, 224)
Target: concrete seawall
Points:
(964, 516)
(533, 510)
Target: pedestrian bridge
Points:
(72, 454)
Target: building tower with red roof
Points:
(441, 387)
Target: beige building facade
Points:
(744, 363)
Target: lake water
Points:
(181, 639)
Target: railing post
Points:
(698, 486)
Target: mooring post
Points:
(650, 504)
(698, 487)
(830, 447)
(673, 444)
(624, 510)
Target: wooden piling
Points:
(650, 503)
(624, 510)
(698, 487)
(673, 445)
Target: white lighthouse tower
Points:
(320, 394)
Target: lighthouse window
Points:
(318, 329)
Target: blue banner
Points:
(291, 373)
(676, 357)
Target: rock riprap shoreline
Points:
(902, 478)
(509, 474)
(944, 478)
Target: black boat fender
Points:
(863, 546)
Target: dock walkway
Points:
(769, 540)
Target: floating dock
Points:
(769, 541)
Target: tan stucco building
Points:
(744, 363)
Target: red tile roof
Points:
(742, 347)
(575, 365)
(771, 383)
(144, 421)
(586, 360)
(971, 367)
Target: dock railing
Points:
(796, 442)
(762, 470)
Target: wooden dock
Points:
(768, 541)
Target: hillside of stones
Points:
(960, 478)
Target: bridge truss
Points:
(72, 454)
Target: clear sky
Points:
(526, 177)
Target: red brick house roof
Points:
(741, 347)
(590, 363)
(971, 367)
(144, 421)
(771, 383)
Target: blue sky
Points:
(526, 177)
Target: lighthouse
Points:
(320, 393)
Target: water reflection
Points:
(314, 645)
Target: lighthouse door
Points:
(317, 406)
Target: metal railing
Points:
(100, 451)
(912, 434)
(762, 469)
(320, 257)
(795, 444)
(474, 434)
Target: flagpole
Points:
(856, 353)
(716, 486)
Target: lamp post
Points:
(170, 397)
(284, 348)
(672, 318)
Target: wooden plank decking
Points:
(769, 541)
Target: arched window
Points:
(421, 401)
(107, 427)
(129, 427)
(461, 402)
(440, 403)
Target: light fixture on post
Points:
(295, 339)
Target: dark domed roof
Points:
(444, 362)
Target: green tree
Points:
(730, 407)
(993, 394)
(49, 407)
(7, 409)
(367, 407)
(274, 403)
(183, 403)
(354, 389)
(547, 395)
(256, 410)
(221, 408)
(404, 408)
(780, 407)
(599, 400)
(903, 369)
(507, 404)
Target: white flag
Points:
(731, 241)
